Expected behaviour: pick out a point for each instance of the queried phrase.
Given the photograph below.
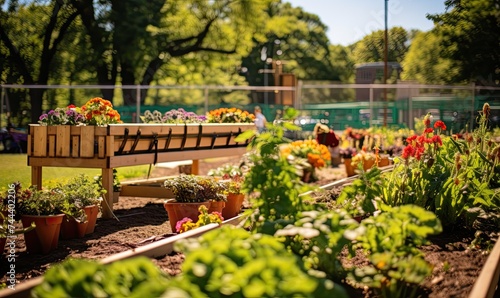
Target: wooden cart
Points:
(119, 145)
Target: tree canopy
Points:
(470, 32)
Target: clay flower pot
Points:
(177, 211)
(92, 213)
(71, 229)
(45, 237)
(233, 205)
(349, 169)
(216, 206)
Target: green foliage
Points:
(136, 277)
(319, 237)
(273, 181)
(233, 262)
(194, 188)
(80, 191)
(426, 63)
(391, 240)
(470, 30)
(359, 197)
(371, 47)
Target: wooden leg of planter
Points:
(107, 184)
(195, 167)
(36, 176)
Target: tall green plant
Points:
(273, 180)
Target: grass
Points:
(15, 168)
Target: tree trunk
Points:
(36, 99)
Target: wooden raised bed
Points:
(118, 145)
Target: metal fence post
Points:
(138, 104)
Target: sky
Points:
(350, 20)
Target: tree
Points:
(470, 30)
(371, 47)
(126, 41)
(425, 61)
(296, 41)
(30, 46)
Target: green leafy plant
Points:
(391, 240)
(136, 277)
(272, 182)
(194, 188)
(318, 238)
(116, 181)
(231, 262)
(446, 175)
(80, 191)
(32, 201)
(359, 198)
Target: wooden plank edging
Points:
(487, 281)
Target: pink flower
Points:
(180, 223)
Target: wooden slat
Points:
(39, 141)
(63, 140)
(75, 146)
(87, 141)
(52, 146)
(68, 162)
(487, 282)
(101, 146)
(148, 158)
(146, 129)
(146, 191)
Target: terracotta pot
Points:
(349, 169)
(233, 205)
(384, 161)
(177, 211)
(216, 206)
(45, 237)
(92, 213)
(71, 229)
(368, 164)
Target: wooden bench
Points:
(119, 145)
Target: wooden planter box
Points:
(118, 145)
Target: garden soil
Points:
(143, 220)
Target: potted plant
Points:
(314, 154)
(235, 196)
(190, 192)
(45, 208)
(82, 205)
(116, 185)
(230, 115)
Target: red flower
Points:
(437, 140)
(419, 152)
(408, 151)
(440, 124)
(71, 106)
(428, 130)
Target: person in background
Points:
(260, 119)
(326, 136)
